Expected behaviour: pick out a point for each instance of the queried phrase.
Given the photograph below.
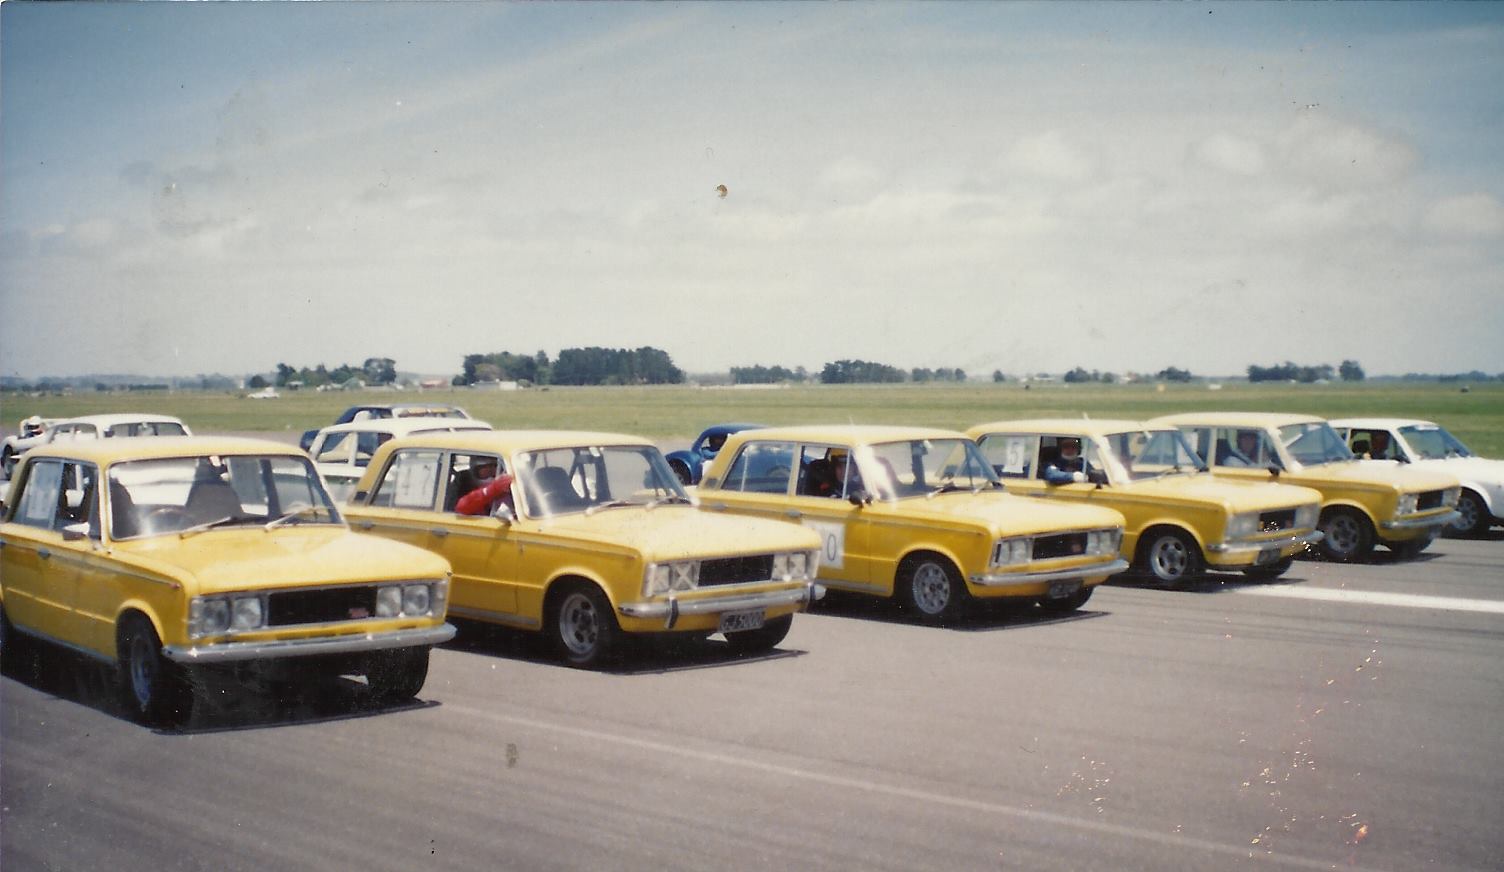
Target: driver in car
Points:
(494, 489)
(1068, 466)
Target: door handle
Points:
(364, 525)
(439, 531)
(794, 513)
(43, 553)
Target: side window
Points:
(761, 467)
(1011, 455)
(336, 448)
(40, 494)
(1240, 447)
(79, 503)
(1200, 439)
(467, 472)
(411, 480)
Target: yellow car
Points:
(1361, 504)
(164, 556)
(916, 515)
(595, 539)
(1179, 521)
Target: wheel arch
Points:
(131, 609)
(1157, 527)
(1352, 505)
(919, 551)
(567, 578)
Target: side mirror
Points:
(1274, 470)
(503, 513)
(859, 497)
(75, 532)
(1097, 477)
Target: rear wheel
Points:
(931, 587)
(1348, 535)
(1170, 556)
(583, 627)
(1475, 519)
(155, 690)
(1271, 571)
(764, 638)
(398, 675)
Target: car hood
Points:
(1205, 489)
(1004, 514)
(241, 558)
(1479, 469)
(1376, 476)
(676, 532)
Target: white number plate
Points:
(1266, 557)
(732, 622)
(1063, 589)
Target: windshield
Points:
(563, 481)
(922, 467)
(1314, 442)
(1430, 442)
(183, 494)
(1152, 453)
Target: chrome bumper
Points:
(229, 652)
(1423, 523)
(671, 608)
(1310, 538)
(1013, 578)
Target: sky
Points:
(192, 188)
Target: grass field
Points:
(666, 414)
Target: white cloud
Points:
(1232, 154)
(1469, 215)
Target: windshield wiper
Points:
(951, 487)
(290, 516)
(669, 499)
(209, 525)
(610, 504)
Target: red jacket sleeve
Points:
(478, 501)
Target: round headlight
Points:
(247, 613)
(211, 615)
(388, 601)
(415, 599)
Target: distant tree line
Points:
(919, 374)
(844, 372)
(766, 375)
(504, 366)
(574, 366)
(374, 371)
(1350, 370)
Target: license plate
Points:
(1063, 589)
(732, 622)
(1266, 557)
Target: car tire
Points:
(8, 461)
(1348, 536)
(1170, 557)
(1068, 604)
(7, 633)
(155, 691)
(929, 587)
(1270, 572)
(1475, 519)
(762, 639)
(681, 471)
(397, 676)
(583, 627)
(1411, 548)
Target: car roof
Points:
(1087, 426)
(1237, 419)
(102, 451)
(730, 428)
(114, 418)
(397, 406)
(405, 426)
(1388, 423)
(853, 433)
(511, 441)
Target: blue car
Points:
(689, 465)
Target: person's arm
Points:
(1055, 475)
(478, 501)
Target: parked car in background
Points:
(30, 432)
(917, 515)
(594, 540)
(1429, 446)
(1180, 521)
(102, 427)
(690, 464)
(375, 411)
(1362, 505)
(161, 557)
(342, 451)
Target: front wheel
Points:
(1270, 572)
(8, 460)
(1067, 604)
(762, 639)
(155, 690)
(1349, 535)
(585, 632)
(1475, 518)
(1411, 548)
(931, 587)
(1171, 557)
(397, 676)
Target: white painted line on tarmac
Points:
(923, 797)
(1372, 598)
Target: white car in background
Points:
(1428, 444)
(30, 433)
(342, 451)
(94, 427)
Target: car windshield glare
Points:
(191, 494)
(1431, 442)
(563, 481)
(1313, 442)
(1153, 453)
(921, 467)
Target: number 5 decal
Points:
(832, 542)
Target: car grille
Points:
(1429, 500)
(321, 605)
(1270, 522)
(736, 570)
(1060, 545)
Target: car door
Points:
(39, 568)
(482, 551)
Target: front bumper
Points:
(1252, 549)
(231, 652)
(672, 608)
(1428, 522)
(1020, 578)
